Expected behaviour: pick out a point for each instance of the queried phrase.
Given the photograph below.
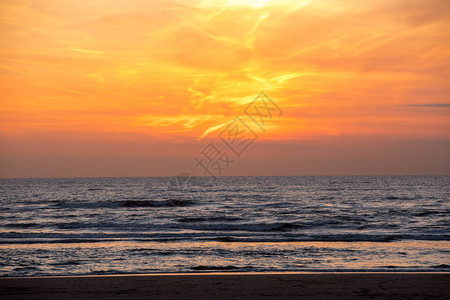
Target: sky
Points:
(149, 88)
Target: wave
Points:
(121, 204)
(391, 197)
(22, 225)
(207, 219)
(442, 266)
(424, 213)
(211, 224)
(166, 203)
(248, 227)
(220, 268)
(234, 237)
(66, 263)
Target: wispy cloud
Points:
(433, 105)
(212, 129)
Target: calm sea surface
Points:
(247, 224)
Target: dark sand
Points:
(243, 286)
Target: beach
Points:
(232, 285)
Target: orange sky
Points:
(128, 88)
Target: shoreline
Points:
(230, 274)
(313, 285)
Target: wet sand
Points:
(240, 286)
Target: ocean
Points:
(84, 226)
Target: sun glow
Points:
(236, 3)
(250, 3)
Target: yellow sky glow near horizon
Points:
(175, 71)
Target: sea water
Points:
(75, 226)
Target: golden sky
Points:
(136, 88)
